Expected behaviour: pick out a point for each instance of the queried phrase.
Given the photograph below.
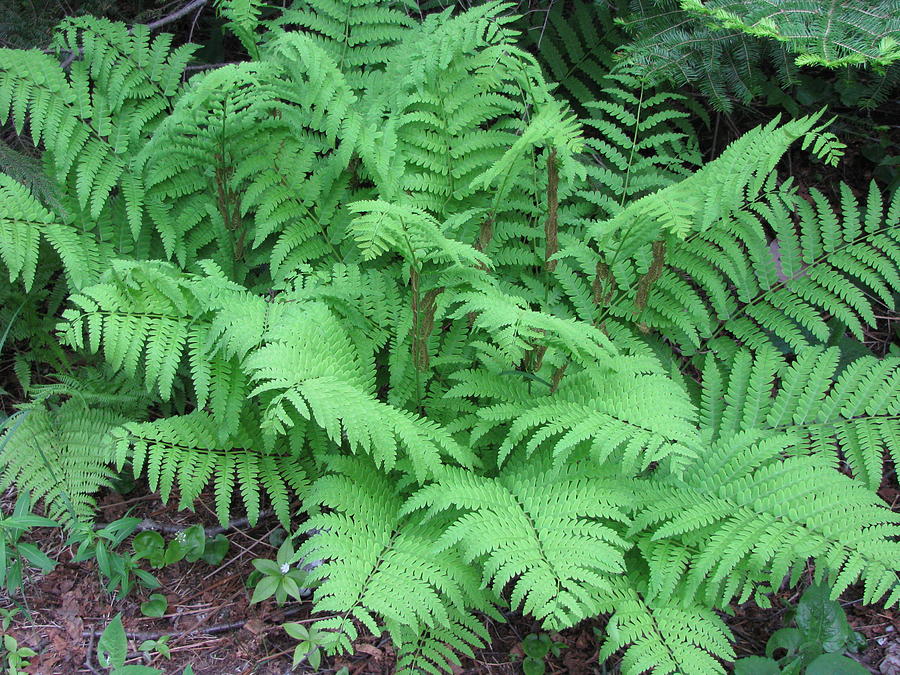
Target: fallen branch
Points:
(177, 14)
(212, 630)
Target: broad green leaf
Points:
(112, 647)
(155, 606)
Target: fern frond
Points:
(243, 19)
(626, 418)
(62, 456)
(665, 639)
(185, 452)
(358, 35)
(25, 222)
(552, 533)
(388, 550)
(759, 293)
(311, 369)
(768, 515)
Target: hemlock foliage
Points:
(726, 47)
(386, 267)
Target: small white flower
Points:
(285, 568)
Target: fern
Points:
(357, 35)
(185, 452)
(838, 265)
(471, 334)
(665, 639)
(61, 455)
(390, 550)
(769, 515)
(836, 411)
(721, 45)
(552, 533)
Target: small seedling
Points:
(17, 658)
(814, 646)
(312, 641)
(155, 606)
(159, 646)
(190, 544)
(119, 570)
(278, 577)
(7, 616)
(14, 553)
(537, 647)
(112, 650)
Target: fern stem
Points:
(551, 227)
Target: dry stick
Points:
(212, 630)
(177, 14)
(89, 651)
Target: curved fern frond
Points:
(628, 419)
(63, 456)
(783, 292)
(835, 411)
(310, 368)
(389, 550)
(665, 639)
(25, 222)
(185, 452)
(553, 533)
(767, 516)
(358, 35)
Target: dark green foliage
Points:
(730, 49)
(381, 270)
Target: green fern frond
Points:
(389, 550)
(626, 418)
(62, 456)
(434, 649)
(783, 292)
(767, 516)
(358, 35)
(243, 19)
(185, 452)
(25, 223)
(665, 639)
(835, 411)
(552, 533)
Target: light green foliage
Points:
(160, 646)
(155, 605)
(16, 657)
(112, 650)
(60, 455)
(382, 271)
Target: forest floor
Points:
(215, 629)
